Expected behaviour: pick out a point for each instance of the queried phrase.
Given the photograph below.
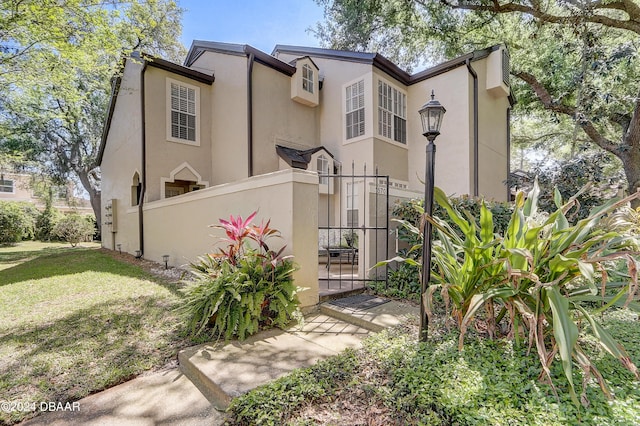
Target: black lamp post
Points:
(431, 115)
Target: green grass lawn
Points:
(74, 321)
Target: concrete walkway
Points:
(210, 375)
(163, 398)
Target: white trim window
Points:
(6, 186)
(352, 204)
(392, 112)
(183, 109)
(307, 78)
(322, 165)
(355, 109)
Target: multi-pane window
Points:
(355, 109)
(323, 169)
(307, 78)
(183, 112)
(352, 205)
(392, 113)
(6, 185)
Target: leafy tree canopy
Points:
(56, 62)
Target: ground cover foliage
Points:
(394, 380)
(537, 282)
(74, 321)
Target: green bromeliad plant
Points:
(543, 282)
(244, 287)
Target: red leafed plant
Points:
(238, 230)
(243, 287)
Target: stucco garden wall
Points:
(179, 226)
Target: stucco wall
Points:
(331, 121)
(121, 160)
(179, 226)
(163, 155)
(229, 150)
(492, 141)
(453, 166)
(21, 188)
(277, 119)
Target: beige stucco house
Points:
(235, 130)
(19, 187)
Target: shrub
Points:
(241, 289)
(404, 280)
(32, 213)
(16, 221)
(539, 280)
(73, 228)
(46, 222)
(592, 175)
(411, 211)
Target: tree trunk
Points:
(631, 165)
(94, 196)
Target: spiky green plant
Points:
(538, 282)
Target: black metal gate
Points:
(353, 231)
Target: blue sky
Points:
(260, 23)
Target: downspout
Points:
(250, 114)
(143, 185)
(476, 184)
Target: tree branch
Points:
(552, 105)
(534, 9)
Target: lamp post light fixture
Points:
(165, 259)
(431, 115)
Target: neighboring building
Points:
(18, 187)
(230, 131)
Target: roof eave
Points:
(180, 70)
(198, 47)
(115, 89)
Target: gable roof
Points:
(198, 47)
(383, 63)
(295, 61)
(296, 158)
(151, 61)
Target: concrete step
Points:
(226, 370)
(376, 319)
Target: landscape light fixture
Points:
(165, 259)
(431, 115)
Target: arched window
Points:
(136, 189)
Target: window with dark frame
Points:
(6, 185)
